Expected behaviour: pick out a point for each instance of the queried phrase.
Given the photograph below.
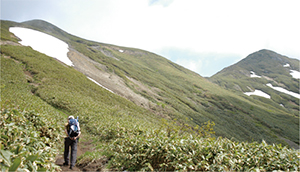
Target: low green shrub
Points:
(28, 141)
(152, 152)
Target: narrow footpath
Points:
(83, 146)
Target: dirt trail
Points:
(83, 146)
(60, 158)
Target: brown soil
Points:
(83, 146)
(9, 43)
(113, 82)
(116, 84)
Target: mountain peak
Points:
(266, 51)
(37, 21)
(260, 69)
(45, 27)
(265, 54)
(40, 25)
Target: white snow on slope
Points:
(295, 74)
(253, 75)
(100, 84)
(43, 43)
(284, 91)
(258, 93)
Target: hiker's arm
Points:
(77, 136)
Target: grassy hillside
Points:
(182, 94)
(270, 66)
(31, 81)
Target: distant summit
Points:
(46, 27)
(263, 61)
(261, 70)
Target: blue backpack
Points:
(74, 128)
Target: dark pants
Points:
(73, 144)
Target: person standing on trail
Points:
(72, 130)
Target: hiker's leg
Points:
(73, 152)
(66, 152)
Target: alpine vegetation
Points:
(139, 111)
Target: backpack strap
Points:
(69, 131)
(74, 123)
(70, 124)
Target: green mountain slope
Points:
(35, 84)
(38, 90)
(272, 68)
(168, 90)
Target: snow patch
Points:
(100, 84)
(253, 75)
(284, 91)
(43, 43)
(258, 93)
(295, 74)
(121, 51)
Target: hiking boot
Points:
(71, 167)
(65, 164)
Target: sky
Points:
(202, 35)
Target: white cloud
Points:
(218, 26)
(194, 65)
(164, 3)
(205, 64)
(203, 26)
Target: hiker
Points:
(71, 140)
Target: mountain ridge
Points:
(173, 92)
(269, 67)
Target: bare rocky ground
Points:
(9, 43)
(98, 72)
(111, 81)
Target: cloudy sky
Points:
(202, 35)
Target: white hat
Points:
(71, 117)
